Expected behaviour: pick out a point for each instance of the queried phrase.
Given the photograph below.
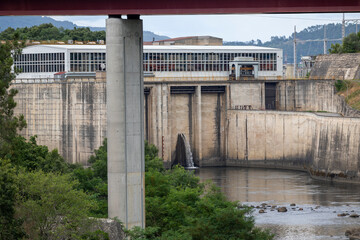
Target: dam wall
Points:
(227, 123)
(199, 114)
(324, 146)
(67, 115)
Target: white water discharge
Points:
(189, 156)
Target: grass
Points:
(352, 94)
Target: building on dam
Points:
(159, 61)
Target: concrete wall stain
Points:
(71, 116)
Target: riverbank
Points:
(321, 201)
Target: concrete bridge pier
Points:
(125, 128)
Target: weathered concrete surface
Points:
(251, 93)
(62, 113)
(125, 92)
(336, 66)
(345, 109)
(306, 95)
(325, 146)
(69, 115)
(291, 95)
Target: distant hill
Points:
(333, 31)
(29, 21)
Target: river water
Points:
(321, 201)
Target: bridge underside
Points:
(163, 7)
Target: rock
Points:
(352, 237)
(263, 204)
(292, 205)
(341, 215)
(273, 206)
(353, 233)
(272, 209)
(110, 226)
(282, 209)
(317, 207)
(293, 208)
(300, 209)
(262, 211)
(241, 206)
(257, 206)
(354, 215)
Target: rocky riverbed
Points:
(338, 222)
(292, 204)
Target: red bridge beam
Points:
(163, 7)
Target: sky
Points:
(229, 27)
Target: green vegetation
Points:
(350, 90)
(9, 124)
(341, 85)
(351, 44)
(43, 197)
(178, 206)
(93, 180)
(47, 31)
(10, 226)
(51, 207)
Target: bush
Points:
(51, 206)
(31, 156)
(341, 85)
(10, 227)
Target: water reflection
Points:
(321, 201)
(281, 186)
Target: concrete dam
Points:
(254, 123)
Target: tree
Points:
(99, 161)
(31, 156)
(9, 124)
(38, 198)
(335, 48)
(51, 206)
(10, 227)
(351, 44)
(93, 180)
(12, 145)
(47, 31)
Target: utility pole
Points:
(344, 21)
(343, 27)
(294, 51)
(325, 50)
(356, 27)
